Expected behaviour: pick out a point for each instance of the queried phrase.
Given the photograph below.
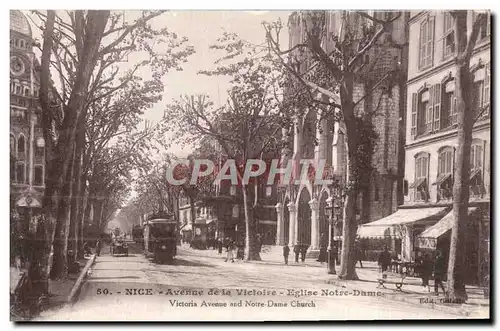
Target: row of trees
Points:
(92, 104)
(328, 63)
(91, 152)
(343, 66)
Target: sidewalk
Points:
(412, 290)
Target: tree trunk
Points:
(350, 224)
(465, 117)
(60, 265)
(456, 262)
(251, 246)
(349, 230)
(59, 157)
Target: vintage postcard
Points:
(314, 165)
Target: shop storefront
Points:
(400, 230)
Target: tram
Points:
(160, 239)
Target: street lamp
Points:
(331, 256)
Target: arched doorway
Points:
(304, 218)
(323, 217)
(286, 222)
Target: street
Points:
(133, 288)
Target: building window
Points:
(424, 112)
(485, 29)
(426, 44)
(21, 43)
(481, 97)
(232, 190)
(12, 144)
(476, 168)
(421, 175)
(269, 191)
(18, 89)
(39, 151)
(448, 36)
(444, 180)
(448, 104)
(21, 145)
(21, 173)
(38, 181)
(26, 91)
(12, 171)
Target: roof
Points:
(19, 23)
(162, 220)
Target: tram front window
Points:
(163, 230)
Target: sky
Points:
(202, 28)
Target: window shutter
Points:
(414, 101)
(430, 45)
(454, 111)
(487, 89)
(430, 116)
(437, 107)
(422, 44)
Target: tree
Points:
(83, 49)
(247, 126)
(331, 63)
(465, 43)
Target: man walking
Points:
(384, 260)
(296, 250)
(439, 272)
(303, 252)
(286, 252)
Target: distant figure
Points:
(296, 250)
(360, 254)
(384, 260)
(323, 242)
(98, 247)
(303, 251)
(286, 252)
(334, 254)
(230, 253)
(439, 272)
(219, 246)
(426, 270)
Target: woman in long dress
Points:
(322, 248)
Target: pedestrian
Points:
(296, 250)
(240, 255)
(384, 260)
(219, 246)
(334, 254)
(419, 260)
(439, 272)
(359, 254)
(98, 247)
(426, 267)
(303, 251)
(323, 242)
(230, 251)
(286, 252)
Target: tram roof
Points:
(162, 220)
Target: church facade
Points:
(301, 210)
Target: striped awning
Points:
(379, 232)
(387, 227)
(428, 238)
